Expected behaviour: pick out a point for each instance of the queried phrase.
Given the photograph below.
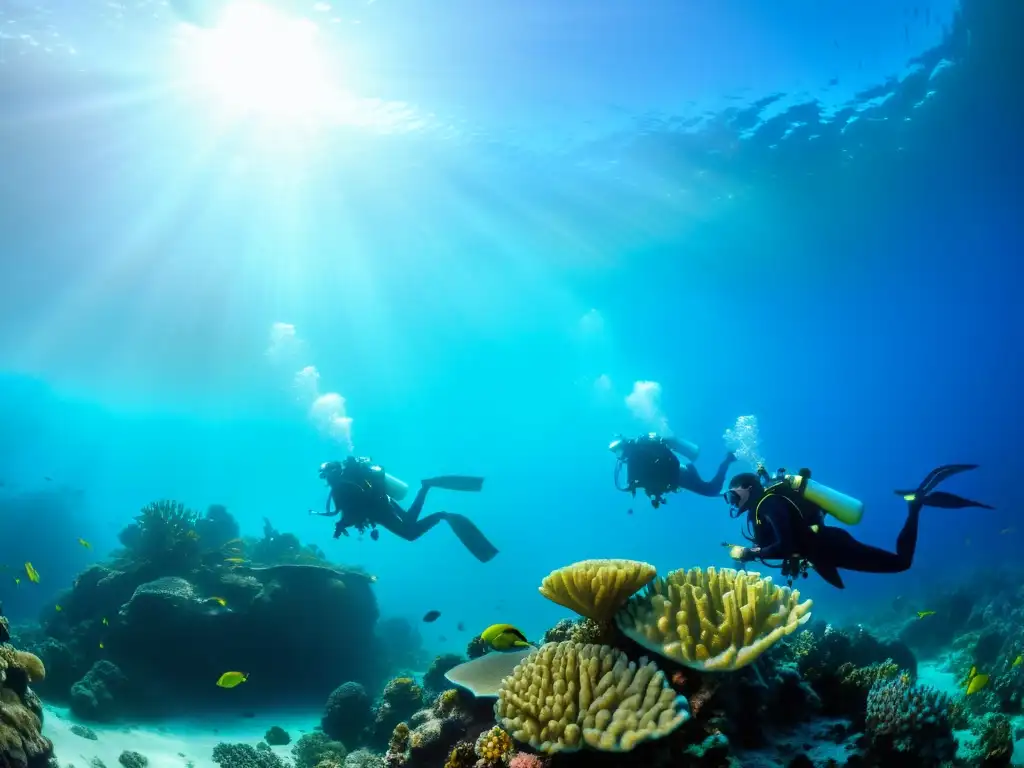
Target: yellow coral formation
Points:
(862, 678)
(462, 756)
(596, 589)
(494, 747)
(31, 664)
(713, 620)
(447, 702)
(399, 738)
(565, 696)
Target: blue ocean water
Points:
(515, 216)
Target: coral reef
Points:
(347, 714)
(909, 721)
(596, 589)
(131, 759)
(434, 679)
(22, 744)
(712, 619)
(277, 736)
(245, 756)
(179, 605)
(311, 749)
(565, 696)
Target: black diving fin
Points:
(455, 483)
(928, 497)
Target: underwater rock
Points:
(276, 736)
(434, 680)
(63, 668)
(131, 759)
(217, 527)
(84, 732)
(347, 714)
(173, 637)
(95, 696)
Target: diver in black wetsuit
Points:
(788, 527)
(653, 467)
(362, 492)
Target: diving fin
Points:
(455, 483)
(472, 538)
(830, 574)
(928, 497)
(945, 500)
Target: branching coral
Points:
(862, 678)
(596, 588)
(713, 620)
(565, 696)
(164, 531)
(579, 631)
(910, 720)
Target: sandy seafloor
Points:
(169, 744)
(187, 743)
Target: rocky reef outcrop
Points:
(186, 600)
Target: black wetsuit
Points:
(787, 528)
(363, 507)
(690, 480)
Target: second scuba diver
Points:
(653, 467)
(365, 495)
(786, 522)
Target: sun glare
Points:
(259, 60)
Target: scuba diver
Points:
(367, 496)
(652, 466)
(786, 522)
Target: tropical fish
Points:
(219, 600)
(234, 559)
(58, 608)
(105, 622)
(101, 646)
(231, 679)
(431, 616)
(192, 535)
(504, 637)
(1017, 662)
(976, 683)
(85, 543)
(17, 581)
(235, 543)
(925, 614)
(32, 573)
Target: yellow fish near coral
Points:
(231, 679)
(234, 559)
(85, 543)
(219, 600)
(504, 637)
(105, 622)
(1017, 662)
(974, 681)
(925, 614)
(32, 573)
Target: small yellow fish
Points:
(976, 683)
(33, 574)
(220, 600)
(17, 581)
(504, 637)
(105, 622)
(85, 543)
(234, 559)
(925, 614)
(1017, 662)
(101, 646)
(58, 608)
(231, 679)
(234, 542)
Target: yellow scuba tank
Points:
(843, 508)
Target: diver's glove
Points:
(744, 554)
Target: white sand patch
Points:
(168, 744)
